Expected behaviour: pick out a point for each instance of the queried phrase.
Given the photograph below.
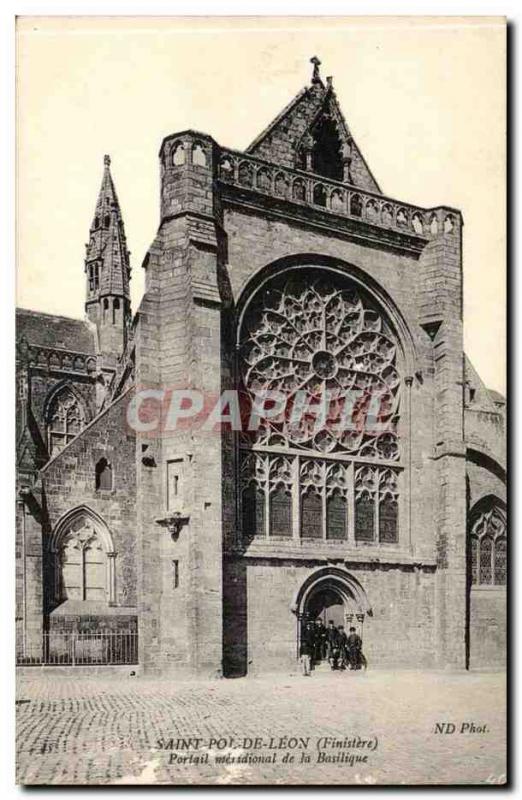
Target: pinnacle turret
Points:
(107, 269)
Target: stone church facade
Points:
(283, 268)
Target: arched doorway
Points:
(331, 594)
(325, 605)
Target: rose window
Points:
(331, 355)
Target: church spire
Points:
(107, 270)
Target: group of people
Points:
(319, 643)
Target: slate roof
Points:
(51, 330)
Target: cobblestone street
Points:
(77, 730)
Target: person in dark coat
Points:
(332, 638)
(354, 649)
(343, 646)
(319, 641)
(307, 648)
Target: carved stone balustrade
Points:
(340, 199)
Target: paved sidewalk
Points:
(75, 730)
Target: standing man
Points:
(343, 646)
(306, 648)
(319, 641)
(332, 638)
(354, 647)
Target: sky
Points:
(424, 99)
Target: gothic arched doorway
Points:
(325, 604)
(331, 594)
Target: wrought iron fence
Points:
(78, 649)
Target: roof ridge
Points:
(21, 310)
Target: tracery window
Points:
(376, 505)
(83, 564)
(280, 497)
(65, 420)
(336, 501)
(312, 486)
(488, 548)
(83, 560)
(254, 494)
(328, 466)
(387, 506)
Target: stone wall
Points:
(487, 605)
(69, 482)
(261, 628)
(488, 627)
(178, 345)
(486, 431)
(483, 481)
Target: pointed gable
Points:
(311, 133)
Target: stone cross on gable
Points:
(316, 78)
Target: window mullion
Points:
(296, 499)
(267, 501)
(377, 506)
(350, 503)
(323, 507)
(84, 575)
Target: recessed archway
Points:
(336, 579)
(331, 594)
(326, 604)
